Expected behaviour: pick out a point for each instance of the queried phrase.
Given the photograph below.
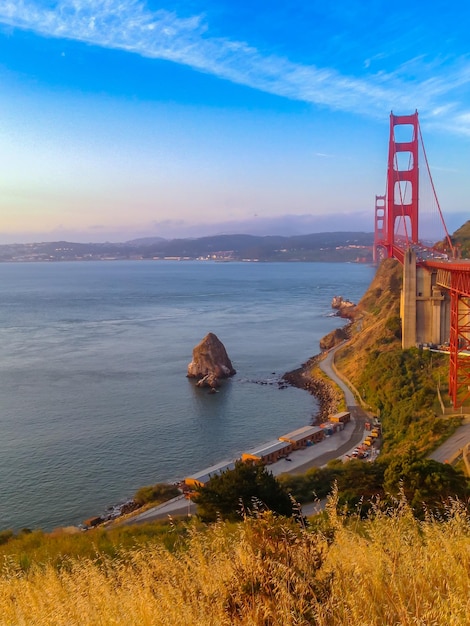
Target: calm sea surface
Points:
(94, 399)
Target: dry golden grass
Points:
(385, 571)
(223, 577)
(401, 571)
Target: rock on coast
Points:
(347, 310)
(210, 362)
(344, 308)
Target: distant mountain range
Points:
(330, 246)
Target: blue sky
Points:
(123, 118)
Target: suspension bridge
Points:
(435, 300)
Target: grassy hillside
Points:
(377, 322)
(461, 239)
(264, 571)
(399, 385)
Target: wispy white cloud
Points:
(129, 25)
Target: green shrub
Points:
(249, 487)
(393, 324)
(160, 492)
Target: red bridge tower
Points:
(402, 188)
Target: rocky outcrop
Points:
(334, 338)
(210, 362)
(210, 380)
(344, 308)
(112, 513)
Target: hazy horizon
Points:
(284, 225)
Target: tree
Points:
(424, 482)
(360, 483)
(234, 493)
(316, 482)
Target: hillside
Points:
(461, 239)
(388, 570)
(335, 246)
(377, 321)
(401, 386)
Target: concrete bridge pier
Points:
(424, 307)
(408, 300)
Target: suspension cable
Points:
(435, 194)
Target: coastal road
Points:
(450, 449)
(327, 365)
(178, 506)
(358, 415)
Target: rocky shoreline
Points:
(326, 395)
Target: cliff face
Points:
(210, 362)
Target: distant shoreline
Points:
(329, 247)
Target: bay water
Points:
(94, 399)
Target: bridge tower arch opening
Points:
(379, 250)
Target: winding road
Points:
(358, 415)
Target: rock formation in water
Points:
(210, 362)
(345, 308)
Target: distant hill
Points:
(461, 239)
(144, 241)
(333, 246)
